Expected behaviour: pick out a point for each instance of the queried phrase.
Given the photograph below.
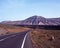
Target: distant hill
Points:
(35, 20)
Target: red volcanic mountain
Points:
(35, 20)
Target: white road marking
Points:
(7, 38)
(24, 41)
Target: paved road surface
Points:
(17, 40)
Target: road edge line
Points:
(24, 41)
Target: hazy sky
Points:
(22, 9)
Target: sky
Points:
(22, 9)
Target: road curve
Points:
(17, 40)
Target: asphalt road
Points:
(17, 40)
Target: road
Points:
(17, 40)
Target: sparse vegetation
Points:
(8, 29)
(45, 38)
(7, 32)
